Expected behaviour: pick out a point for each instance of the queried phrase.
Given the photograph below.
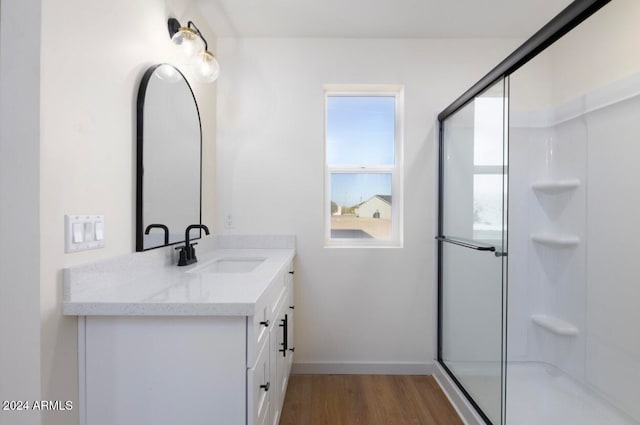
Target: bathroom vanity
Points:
(210, 343)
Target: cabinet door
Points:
(290, 341)
(258, 329)
(259, 387)
(290, 310)
(282, 364)
(163, 370)
(278, 353)
(274, 341)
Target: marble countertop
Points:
(153, 285)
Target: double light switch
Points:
(83, 231)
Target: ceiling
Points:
(379, 18)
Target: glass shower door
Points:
(472, 250)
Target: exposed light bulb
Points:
(193, 50)
(190, 43)
(207, 67)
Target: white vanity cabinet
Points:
(281, 350)
(189, 369)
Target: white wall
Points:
(352, 305)
(19, 200)
(603, 49)
(93, 56)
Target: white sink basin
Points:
(229, 265)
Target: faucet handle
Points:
(182, 260)
(187, 254)
(184, 246)
(192, 252)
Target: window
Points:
(363, 166)
(488, 190)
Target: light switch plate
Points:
(91, 231)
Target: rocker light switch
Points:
(77, 233)
(88, 231)
(83, 231)
(99, 228)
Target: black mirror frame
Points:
(142, 90)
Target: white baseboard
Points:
(337, 368)
(465, 410)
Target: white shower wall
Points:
(574, 115)
(544, 279)
(613, 269)
(594, 284)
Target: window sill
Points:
(353, 244)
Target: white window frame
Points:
(396, 170)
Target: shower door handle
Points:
(469, 244)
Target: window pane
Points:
(361, 130)
(361, 206)
(488, 130)
(487, 206)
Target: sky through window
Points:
(360, 132)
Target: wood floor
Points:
(366, 400)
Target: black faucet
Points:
(159, 226)
(188, 252)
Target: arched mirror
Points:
(169, 148)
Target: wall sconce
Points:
(194, 49)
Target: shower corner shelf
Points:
(555, 186)
(560, 241)
(555, 325)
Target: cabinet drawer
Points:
(258, 328)
(259, 388)
(260, 324)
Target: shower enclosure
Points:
(539, 209)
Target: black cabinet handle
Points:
(285, 343)
(265, 323)
(292, 349)
(292, 307)
(265, 386)
(291, 272)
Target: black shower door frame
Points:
(572, 16)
